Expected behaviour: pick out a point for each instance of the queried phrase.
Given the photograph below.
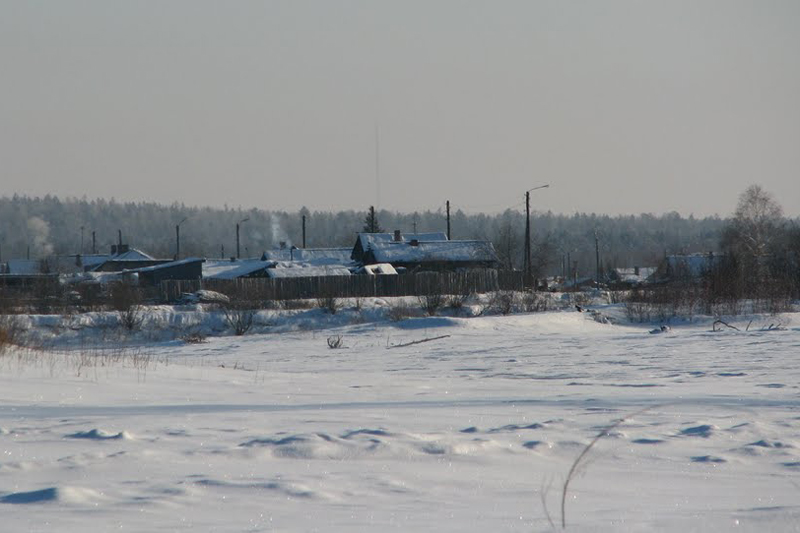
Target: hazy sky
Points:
(622, 106)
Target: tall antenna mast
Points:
(377, 166)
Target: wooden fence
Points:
(477, 281)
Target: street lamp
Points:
(178, 238)
(237, 235)
(527, 268)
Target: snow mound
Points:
(704, 431)
(99, 434)
(280, 487)
(67, 495)
(363, 444)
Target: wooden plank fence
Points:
(263, 289)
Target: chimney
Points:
(398, 237)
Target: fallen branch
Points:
(418, 342)
(714, 327)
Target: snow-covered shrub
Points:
(400, 310)
(503, 302)
(456, 302)
(239, 318)
(431, 302)
(297, 304)
(194, 338)
(329, 303)
(534, 302)
(10, 330)
(131, 318)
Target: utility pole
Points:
(527, 267)
(81, 240)
(448, 221)
(304, 231)
(597, 259)
(527, 271)
(237, 235)
(178, 238)
(567, 268)
(94, 243)
(119, 233)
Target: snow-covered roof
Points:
(226, 269)
(297, 269)
(132, 254)
(377, 269)
(430, 252)
(171, 264)
(634, 275)
(91, 260)
(693, 265)
(367, 239)
(24, 266)
(319, 256)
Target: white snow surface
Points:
(473, 431)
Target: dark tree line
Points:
(49, 225)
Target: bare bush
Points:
(534, 302)
(457, 302)
(401, 310)
(10, 331)
(503, 302)
(637, 311)
(126, 300)
(131, 318)
(296, 304)
(194, 338)
(239, 318)
(581, 299)
(329, 303)
(431, 302)
(335, 342)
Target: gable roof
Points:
(226, 269)
(469, 252)
(365, 241)
(297, 269)
(321, 256)
(24, 266)
(171, 264)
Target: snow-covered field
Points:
(476, 431)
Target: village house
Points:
(425, 252)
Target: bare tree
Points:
(757, 222)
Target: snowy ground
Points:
(473, 432)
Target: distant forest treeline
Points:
(49, 225)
